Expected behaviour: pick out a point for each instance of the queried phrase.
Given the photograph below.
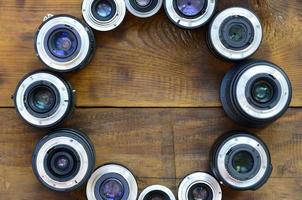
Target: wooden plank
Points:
(158, 145)
(150, 62)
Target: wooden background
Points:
(150, 98)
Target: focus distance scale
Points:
(253, 93)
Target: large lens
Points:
(243, 162)
(42, 99)
(62, 43)
(190, 7)
(262, 91)
(143, 3)
(200, 192)
(112, 189)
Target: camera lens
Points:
(255, 93)
(63, 160)
(111, 182)
(235, 34)
(64, 43)
(103, 15)
(143, 8)
(43, 99)
(156, 192)
(241, 161)
(199, 186)
(112, 189)
(190, 14)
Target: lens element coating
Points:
(41, 99)
(112, 189)
(104, 8)
(262, 92)
(237, 32)
(143, 3)
(243, 162)
(200, 192)
(62, 163)
(62, 43)
(190, 7)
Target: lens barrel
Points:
(63, 160)
(189, 14)
(234, 34)
(64, 43)
(103, 15)
(43, 99)
(156, 192)
(255, 93)
(111, 182)
(199, 185)
(241, 161)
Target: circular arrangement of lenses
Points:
(63, 160)
(64, 44)
(241, 161)
(235, 34)
(43, 99)
(255, 93)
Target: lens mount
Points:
(156, 189)
(203, 179)
(245, 29)
(257, 166)
(111, 172)
(60, 94)
(68, 144)
(107, 23)
(238, 98)
(143, 11)
(188, 21)
(64, 43)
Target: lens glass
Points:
(156, 195)
(63, 43)
(62, 163)
(42, 99)
(112, 189)
(262, 91)
(190, 7)
(243, 162)
(200, 192)
(104, 8)
(143, 3)
(237, 32)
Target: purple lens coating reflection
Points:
(112, 189)
(190, 7)
(63, 44)
(143, 3)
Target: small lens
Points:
(200, 192)
(143, 3)
(42, 99)
(262, 92)
(190, 7)
(112, 189)
(237, 32)
(243, 162)
(63, 43)
(104, 8)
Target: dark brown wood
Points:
(160, 146)
(148, 62)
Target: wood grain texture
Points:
(160, 146)
(148, 62)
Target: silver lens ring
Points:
(80, 57)
(191, 22)
(84, 164)
(111, 169)
(63, 107)
(251, 110)
(109, 24)
(143, 14)
(196, 178)
(215, 33)
(221, 167)
(156, 188)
